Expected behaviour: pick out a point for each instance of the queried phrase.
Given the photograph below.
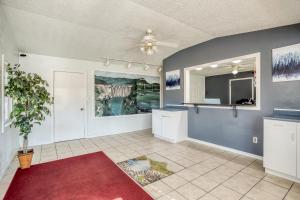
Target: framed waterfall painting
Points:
(173, 80)
(286, 63)
(125, 94)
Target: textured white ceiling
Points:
(93, 29)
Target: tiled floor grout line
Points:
(277, 184)
(70, 148)
(56, 150)
(262, 179)
(238, 171)
(139, 144)
(83, 145)
(253, 187)
(191, 181)
(288, 191)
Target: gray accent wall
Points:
(218, 126)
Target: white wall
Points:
(46, 65)
(9, 139)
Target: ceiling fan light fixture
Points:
(149, 51)
(149, 44)
(149, 31)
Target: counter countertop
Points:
(281, 117)
(170, 109)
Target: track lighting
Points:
(129, 64)
(107, 62)
(147, 67)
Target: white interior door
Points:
(197, 88)
(69, 105)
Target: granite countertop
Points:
(281, 117)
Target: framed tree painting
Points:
(173, 80)
(286, 63)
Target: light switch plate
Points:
(254, 140)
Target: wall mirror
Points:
(224, 83)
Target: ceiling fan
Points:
(149, 45)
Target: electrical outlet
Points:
(254, 140)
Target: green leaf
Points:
(30, 99)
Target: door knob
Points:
(82, 109)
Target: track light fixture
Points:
(107, 62)
(147, 67)
(130, 64)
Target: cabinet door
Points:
(167, 126)
(280, 146)
(298, 150)
(155, 121)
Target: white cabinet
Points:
(280, 146)
(298, 150)
(156, 126)
(170, 125)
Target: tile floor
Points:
(202, 172)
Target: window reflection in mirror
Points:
(227, 82)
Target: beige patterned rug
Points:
(145, 170)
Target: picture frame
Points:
(173, 80)
(286, 63)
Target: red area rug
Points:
(91, 176)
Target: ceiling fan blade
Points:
(133, 48)
(167, 44)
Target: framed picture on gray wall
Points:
(173, 80)
(286, 63)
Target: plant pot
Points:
(25, 158)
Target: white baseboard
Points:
(135, 131)
(275, 173)
(163, 138)
(226, 148)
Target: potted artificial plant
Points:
(30, 106)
